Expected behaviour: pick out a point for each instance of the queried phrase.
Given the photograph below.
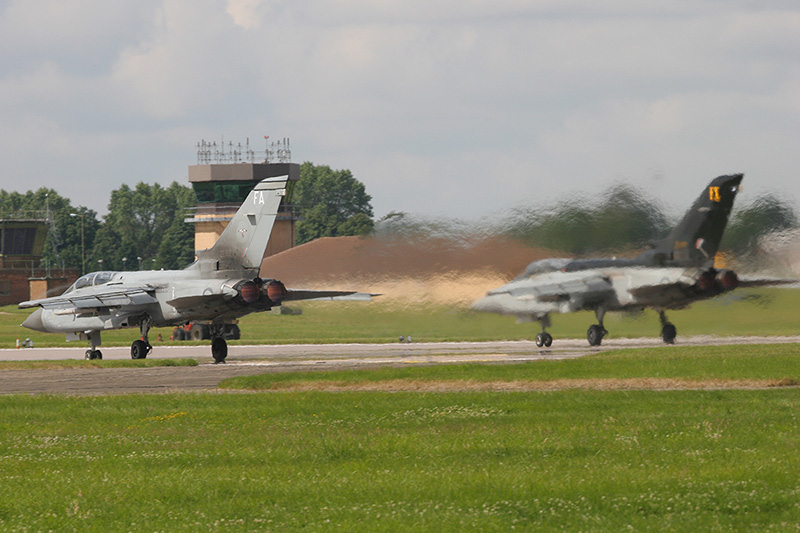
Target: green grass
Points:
(402, 462)
(737, 362)
(358, 461)
(742, 312)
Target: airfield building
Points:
(22, 276)
(223, 178)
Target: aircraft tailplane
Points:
(244, 241)
(695, 240)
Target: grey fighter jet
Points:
(220, 286)
(677, 271)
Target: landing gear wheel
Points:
(595, 335)
(139, 349)
(219, 349)
(94, 354)
(540, 340)
(668, 333)
(544, 339)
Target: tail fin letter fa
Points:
(244, 241)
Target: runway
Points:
(248, 360)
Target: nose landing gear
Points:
(544, 339)
(93, 353)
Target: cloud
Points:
(245, 13)
(449, 107)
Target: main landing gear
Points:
(596, 332)
(219, 347)
(668, 330)
(140, 348)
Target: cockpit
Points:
(88, 280)
(545, 265)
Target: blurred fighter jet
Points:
(220, 286)
(674, 273)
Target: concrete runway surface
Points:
(249, 360)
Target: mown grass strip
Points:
(422, 385)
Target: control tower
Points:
(222, 179)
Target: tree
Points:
(334, 203)
(623, 220)
(766, 214)
(137, 223)
(173, 252)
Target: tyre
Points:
(548, 340)
(139, 349)
(219, 349)
(668, 333)
(594, 335)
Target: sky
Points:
(446, 108)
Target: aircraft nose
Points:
(487, 304)
(34, 321)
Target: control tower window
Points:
(18, 241)
(222, 192)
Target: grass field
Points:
(622, 443)
(421, 461)
(743, 312)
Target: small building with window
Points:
(22, 275)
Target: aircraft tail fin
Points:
(695, 240)
(244, 241)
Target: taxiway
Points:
(248, 360)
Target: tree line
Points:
(625, 220)
(145, 228)
(145, 225)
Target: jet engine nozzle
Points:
(706, 281)
(275, 291)
(247, 292)
(715, 281)
(727, 280)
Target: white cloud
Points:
(425, 102)
(245, 13)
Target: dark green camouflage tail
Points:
(695, 240)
